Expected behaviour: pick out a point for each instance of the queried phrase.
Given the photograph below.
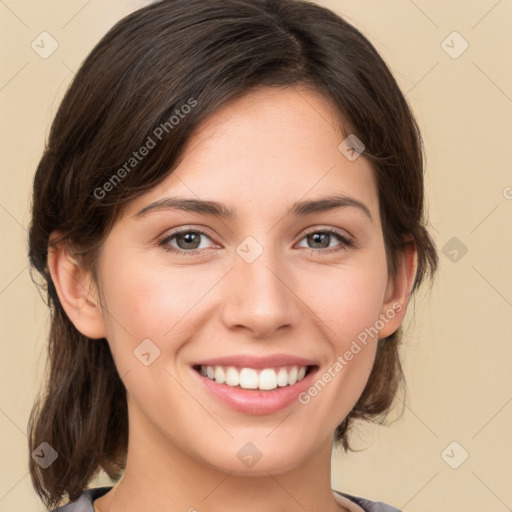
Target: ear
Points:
(399, 289)
(76, 290)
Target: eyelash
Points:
(345, 242)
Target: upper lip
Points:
(247, 361)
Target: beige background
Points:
(458, 351)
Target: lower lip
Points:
(253, 401)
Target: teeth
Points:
(220, 376)
(292, 376)
(282, 377)
(267, 379)
(232, 376)
(249, 378)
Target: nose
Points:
(260, 297)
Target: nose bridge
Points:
(260, 298)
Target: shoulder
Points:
(368, 505)
(84, 503)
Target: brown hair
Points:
(141, 73)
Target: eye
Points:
(321, 239)
(187, 240)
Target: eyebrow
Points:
(300, 208)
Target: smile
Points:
(264, 379)
(255, 391)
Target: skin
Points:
(259, 155)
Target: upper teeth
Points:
(249, 378)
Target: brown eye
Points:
(187, 242)
(320, 240)
(190, 240)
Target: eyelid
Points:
(330, 229)
(346, 240)
(164, 239)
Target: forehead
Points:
(267, 150)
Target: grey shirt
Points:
(84, 503)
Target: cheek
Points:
(346, 299)
(348, 306)
(347, 302)
(155, 302)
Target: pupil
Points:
(189, 239)
(319, 238)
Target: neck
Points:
(161, 476)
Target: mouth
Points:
(259, 379)
(256, 391)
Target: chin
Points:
(246, 458)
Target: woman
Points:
(229, 220)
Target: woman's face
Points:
(266, 288)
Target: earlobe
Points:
(399, 290)
(76, 291)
